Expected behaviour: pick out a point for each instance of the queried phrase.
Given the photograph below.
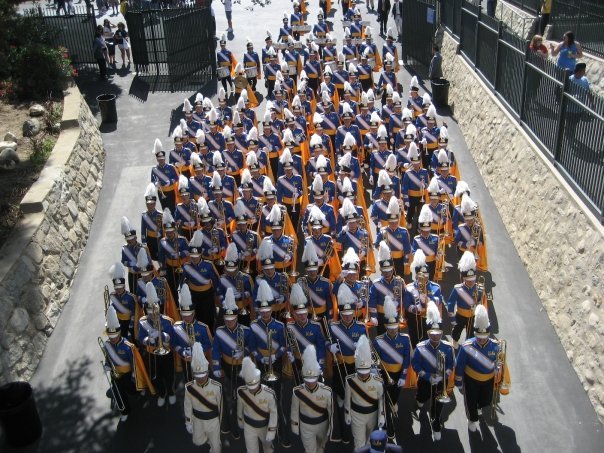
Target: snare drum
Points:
(223, 72)
(371, 62)
(298, 45)
(320, 41)
(346, 23)
(251, 72)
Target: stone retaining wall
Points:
(559, 241)
(40, 258)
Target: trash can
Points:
(18, 414)
(440, 92)
(107, 108)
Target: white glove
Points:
(246, 294)
(217, 374)
(270, 435)
(189, 427)
(424, 142)
(371, 180)
(373, 321)
(334, 348)
(434, 379)
(296, 429)
(265, 360)
(381, 422)
(280, 299)
(347, 419)
(287, 258)
(291, 357)
(401, 382)
(107, 368)
(406, 204)
(238, 355)
(213, 250)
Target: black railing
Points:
(163, 46)
(451, 15)
(564, 119)
(74, 32)
(585, 18)
(420, 18)
(533, 6)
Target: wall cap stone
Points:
(550, 166)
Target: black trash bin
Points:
(18, 414)
(107, 108)
(440, 92)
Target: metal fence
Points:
(585, 18)
(533, 6)
(420, 19)
(75, 32)
(565, 119)
(164, 46)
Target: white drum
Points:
(279, 45)
(371, 62)
(223, 71)
(298, 45)
(305, 28)
(320, 41)
(346, 23)
(251, 72)
(332, 65)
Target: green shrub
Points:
(39, 71)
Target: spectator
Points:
(436, 71)
(534, 79)
(123, 42)
(546, 9)
(99, 49)
(579, 89)
(89, 9)
(383, 13)
(537, 46)
(108, 36)
(397, 14)
(228, 9)
(61, 4)
(568, 50)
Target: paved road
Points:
(547, 409)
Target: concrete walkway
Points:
(547, 409)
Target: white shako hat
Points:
(150, 193)
(394, 210)
(390, 314)
(424, 220)
(112, 324)
(418, 266)
(185, 301)
(384, 257)
(362, 355)
(229, 306)
(481, 322)
(117, 273)
(467, 266)
(468, 207)
(298, 299)
(350, 261)
(346, 300)
(143, 262)
(264, 296)
(127, 229)
(199, 363)
(434, 189)
(168, 221)
(249, 372)
(265, 254)
(152, 298)
(433, 318)
(195, 243)
(310, 257)
(231, 261)
(311, 370)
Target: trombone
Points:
(500, 365)
(292, 343)
(378, 362)
(111, 377)
(107, 298)
(290, 251)
(327, 256)
(443, 397)
(270, 376)
(160, 349)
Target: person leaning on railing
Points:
(537, 48)
(568, 50)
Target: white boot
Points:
(437, 436)
(172, 400)
(161, 401)
(123, 418)
(472, 426)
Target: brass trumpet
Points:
(292, 344)
(270, 376)
(290, 251)
(215, 237)
(160, 349)
(443, 397)
(107, 298)
(241, 290)
(111, 376)
(500, 364)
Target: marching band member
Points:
(393, 349)
(312, 406)
(377, 160)
(249, 205)
(271, 68)
(164, 176)
(245, 240)
(349, 167)
(203, 403)
(294, 146)
(151, 222)
(231, 342)
(350, 277)
(123, 362)
(352, 235)
(457, 216)
(349, 99)
(443, 140)
(122, 301)
(364, 399)
(189, 331)
(214, 138)
(440, 211)
(277, 281)
(203, 151)
(397, 239)
(347, 127)
(173, 253)
(345, 335)
(379, 208)
(130, 251)
(349, 194)
(239, 132)
(271, 142)
(225, 113)
(469, 235)
(192, 124)
(390, 48)
(370, 141)
(201, 279)
(305, 333)
(331, 119)
(477, 368)
(388, 285)
(318, 159)
(415, 183)
(322, 243)
(421, 120)
(156, 335)
(415, 102)
(318, 288)
(433, 361)
(180, 156)
(466, 297)
(232, 156)
(240, 283)
(430, 135)
(290, 188)
(365, 71)
(373, 56)
(416, 297)
(425, 240)
(341, 76)
(214, 239)
(148, 276)
(391, 167)
(446, 181)
(251, 61)
(328, 219)
(185, 213)
(226, 60)
(283, 246)
(224, 182)
(253, 165)
(403, 141)
(256, 410)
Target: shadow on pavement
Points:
(89, 84)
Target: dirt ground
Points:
(16, 181)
